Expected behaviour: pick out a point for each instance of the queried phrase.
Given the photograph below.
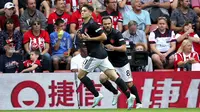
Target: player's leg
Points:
(108, 69)
(89, 65)
(126, 75)
(108, 85)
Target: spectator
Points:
(141, 47)
(3, 2)
(31, 13)
(174, 4)
(73, 5)
(76, 19)
(38, 39)
(33, 65)
(59, 13)
(156, 8)
(185, 57)
(9, 13)
(182, 14)
(142, 17)
(111, 10)
(163, 44)
(39, 5)
(133, 35)
(8, 33)
(9, 62)
(61, 44)
(98, 6)
(196, 6)
(125, 8)
(188, 33)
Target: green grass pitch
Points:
(112, 110)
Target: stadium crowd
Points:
(40, 35)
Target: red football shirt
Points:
(182, 57)
(116, 17)
(29, 63)
(36, 42)
(3, 20)
(76, 18)
(53, 16)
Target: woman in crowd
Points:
(185, 57)
(38, 39)
(141, 47)
(188, 33)
(9, 32)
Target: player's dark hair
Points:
(89, 7)
(59, 21)
(107, 17)
(106, 2)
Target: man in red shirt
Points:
(111, 10)
(76, 20)
(9, 13)
(59, 13)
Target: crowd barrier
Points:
(64, 91)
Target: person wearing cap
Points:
(29, 14)
(133, 35)
(10, 62)
(10, 33)
(3, 2)
(9, 9)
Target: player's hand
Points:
(85, 36)
(109, 47)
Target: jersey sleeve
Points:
(152, 39)
(37, 62)
(74, 19)
(172, 39)
(52, 38)
(26, 38)
(147, 20)
(120, 39)
(196, 56)
(50, 19)
(96, 27)
(46, 37)
(120, 18)
(178, 59)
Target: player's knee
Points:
(81, 74)
(103, 78)
(129, 84)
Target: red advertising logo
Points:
(28, 84)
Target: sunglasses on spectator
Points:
(36, 24)
(159, 18)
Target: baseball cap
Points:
(9, 5)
